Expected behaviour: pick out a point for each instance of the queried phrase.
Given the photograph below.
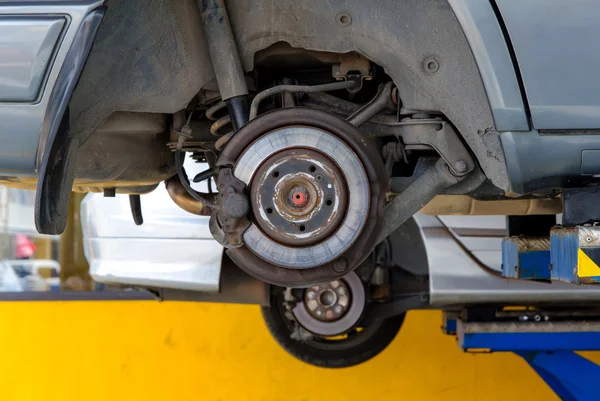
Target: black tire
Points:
(356, 348)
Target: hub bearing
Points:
(333, 308)
(299, 197)
(316, 187)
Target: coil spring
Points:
(217, 127)
(219, 123)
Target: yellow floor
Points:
(178, 351)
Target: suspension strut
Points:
(225, 59)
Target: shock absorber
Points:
(225, 59)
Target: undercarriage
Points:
(317, 148)
(324, 127)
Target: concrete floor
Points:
(145, 350)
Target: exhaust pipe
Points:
(184, 200)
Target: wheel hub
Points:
(333, 308)
(328, 302)
(300, 197)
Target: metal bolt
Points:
(343, 19)
(588, 239)
(461, 166)
(340, 265)
(537, 318)
(524, 318)
(431, 65)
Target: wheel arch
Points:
(464, 37)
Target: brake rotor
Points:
(317, 167)
(316, 188)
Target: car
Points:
(326, 126)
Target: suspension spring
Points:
(217, 128)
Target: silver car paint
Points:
(457, 278)
(23, 122)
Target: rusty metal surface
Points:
(526, 244)
(299, 197)
(183, 199)
(366, 151)
(233, 208)
(298, 138)
(327, 302)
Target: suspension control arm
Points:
(380, 102)
(433, 181)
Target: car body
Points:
(486, 81)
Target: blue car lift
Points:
(546, 340)
(549, 348)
